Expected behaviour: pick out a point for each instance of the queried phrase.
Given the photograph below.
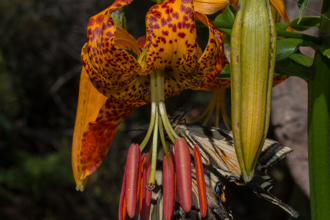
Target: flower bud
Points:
(253, 50)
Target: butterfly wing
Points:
(217, 147)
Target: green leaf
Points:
(302, 4)
(326, 53)
(304, 23)
(226, 16)
(291, 68)
(302, 59)
(286, 47)
(281, 26)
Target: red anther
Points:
(200, 181)
(168, 187)
(183, 170)
(132, 169)
(146, 194)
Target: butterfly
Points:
(217, 149)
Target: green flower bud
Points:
(253, 50)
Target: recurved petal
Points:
(171, 37)
(214, 47)
(89, 103)
(90, 148)
(136, 90)
(105, 52)
(209, 6)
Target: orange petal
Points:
(168, 187)
(213, 49)
(97, 137)
(171, 37)
(122, 200)
(131, 176)
(200, 181)
(209, 6)
(183, 170)
(104, 55)
(142, 42)
(89, 103)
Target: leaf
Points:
(286, 47)
(302, 59)
(291, 68)
(226, 16)
(302, 4)
(305, 23)
(326, 53)
(281, 26)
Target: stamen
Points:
(132, 168)
(146, 194)
(168, 187)
(200, 181)
(183, 170)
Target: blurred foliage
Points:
(39, 78)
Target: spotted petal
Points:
(104, 55)
(89, 103)
(171, 37)
(89, 149)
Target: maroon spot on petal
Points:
(182, 8)
(163, 22)
(165, 33)
(91, 22)
(174, 28)
(182, 35)
(99, 19)
(176, 15)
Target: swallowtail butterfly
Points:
(217, 149)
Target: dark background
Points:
(40, 44)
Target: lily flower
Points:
(171, 62)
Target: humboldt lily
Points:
(171, 56)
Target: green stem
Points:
(319, 127)
(154, 152)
